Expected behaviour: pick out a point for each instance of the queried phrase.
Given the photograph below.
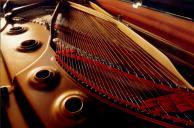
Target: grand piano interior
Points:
(97, 64)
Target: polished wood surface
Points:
(179, 32)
